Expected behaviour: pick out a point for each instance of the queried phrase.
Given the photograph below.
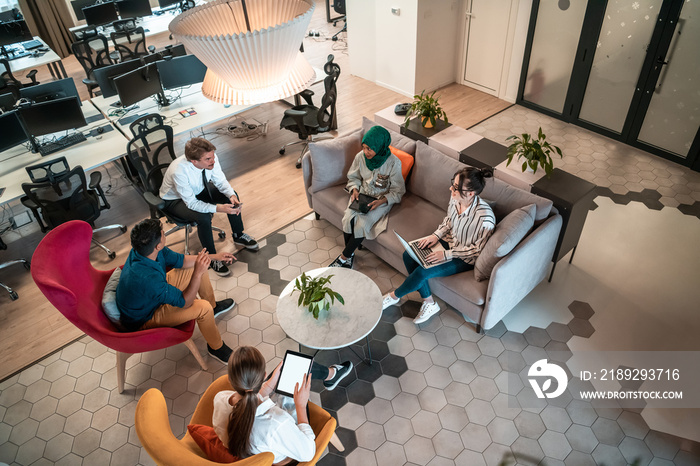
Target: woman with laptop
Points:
(463, 234)
(375, 184)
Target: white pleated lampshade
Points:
(248, 67)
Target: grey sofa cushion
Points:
(432, 171)
(506, 199)
(508, 233)
(109, 298)
(397, 140)
(331, 160)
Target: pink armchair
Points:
(62, 270)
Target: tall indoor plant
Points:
(537, 152)
(314, 295)
(427, 108)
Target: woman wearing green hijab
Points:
(375, 172)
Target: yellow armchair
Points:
(153, 430)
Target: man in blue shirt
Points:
(148, 297)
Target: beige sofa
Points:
(423, 207)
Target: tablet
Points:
(294, 367)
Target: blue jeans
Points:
(418, 276)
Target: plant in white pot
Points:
(537, 152)
(427, 108)
(314, 295)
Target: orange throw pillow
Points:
(211, 445)
(406, 161)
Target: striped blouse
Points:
(467, 232)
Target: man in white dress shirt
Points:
(194, 187)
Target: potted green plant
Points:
(427, 108)
(536, 151)
(314, 294)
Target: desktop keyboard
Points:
(17, 55)
(55, 146)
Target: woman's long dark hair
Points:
(246, 373)
(473, 179)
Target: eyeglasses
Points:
(456, 187)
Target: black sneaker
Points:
(220, 268)
(224, 306)
(246, 241)
(222, 354)
(341, 371)
(338, 262)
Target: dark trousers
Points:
(318, 371)
(351, 243)
(178, 208)
(418, 276)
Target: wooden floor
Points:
(272, 189)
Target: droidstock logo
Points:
(542, 369)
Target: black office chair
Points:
(92, 52)
(129, 41)
(150, 152)
(8, 82)
(339, 7)
(13, 293)
(58, 194)
(309, 120)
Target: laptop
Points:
(418, 254)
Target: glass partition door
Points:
(633, 73)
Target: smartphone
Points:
(294, 368)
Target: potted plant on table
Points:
(427, 108)
(315, 295)
(536, 151)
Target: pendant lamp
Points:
(250, 48)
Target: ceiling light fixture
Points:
(250, 48)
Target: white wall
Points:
(382, 46)
(423, 47)
(437, 43)
(396, 45)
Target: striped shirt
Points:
(467, 232)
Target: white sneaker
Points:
(389, 301)
(427, 310)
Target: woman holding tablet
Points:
(248, 422)
(375, 172)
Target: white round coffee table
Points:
(340, 326)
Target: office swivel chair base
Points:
(109, 252)
(188, 230)
(305, 146)
(13, 293)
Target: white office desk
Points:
(207, 110)
(50, 59)
(89, 154)
(152, 25)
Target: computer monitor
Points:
(7, 102)
(139, 84)
(103, 13)
(10, 15)
(52, 116)
(78, 6)
(167, 3)
(105, 75)
(181, 71)
(51, 90)
(12, 32)
(164, 54)
(134, 8)
(11, 131)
